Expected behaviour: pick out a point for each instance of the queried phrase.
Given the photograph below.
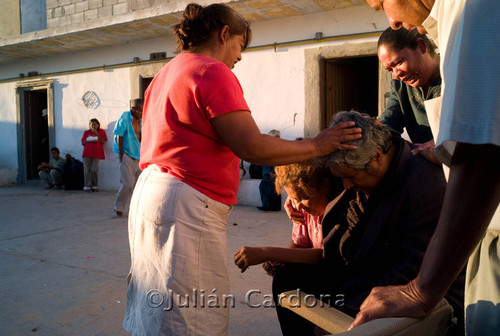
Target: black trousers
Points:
(296, 277)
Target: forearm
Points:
(273, 151)
(241, 134)
(471, 198)
(293, 255)
(100, 138)
(120, 145)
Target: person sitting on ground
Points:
(51, 172)
(271, 200)
(377, 231)
(310, 186)
(73, 173)
(412, 60)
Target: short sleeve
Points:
(103, 135)
(61, 163)
(471, 97)
(219, 91)
(392, 116)
(84, 136)
(120, 126)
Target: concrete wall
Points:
(8, 134)
(72, 117)
(10, 18)
(278, 83)
(33, 15)
(67, 12)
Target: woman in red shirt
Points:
(196, 124)
(93, 140)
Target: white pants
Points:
(178, 282)
(482, 287)
(129, 172)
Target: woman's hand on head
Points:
(332, 138)
(240, 132)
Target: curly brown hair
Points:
(305, 178)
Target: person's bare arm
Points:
(99, 137)
(472, 196)
(272, 266)
(241, 134)
(49, 166)
(248, 256)
(120, 147)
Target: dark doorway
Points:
(349, 84)
(145, 81)
(36, 131)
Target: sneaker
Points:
(86, 188)
(95, 189)
(56, 186)
(50, 186)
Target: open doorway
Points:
(143, 85)
(35, 127)
(349, 83)
(36, 131)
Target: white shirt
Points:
(468, 111)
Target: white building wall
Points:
(273, 81)
(72, 117)
(8, 133)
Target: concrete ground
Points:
(65, 256)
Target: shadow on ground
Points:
(65, 258)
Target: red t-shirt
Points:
(177, 134)
(94, 149)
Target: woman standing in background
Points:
(93, 140)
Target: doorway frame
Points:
(313, 119)
(21, 88)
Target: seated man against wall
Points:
(52, 172)
(376, 232)
(73, 173)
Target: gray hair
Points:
(374, 136)
(275, 133)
